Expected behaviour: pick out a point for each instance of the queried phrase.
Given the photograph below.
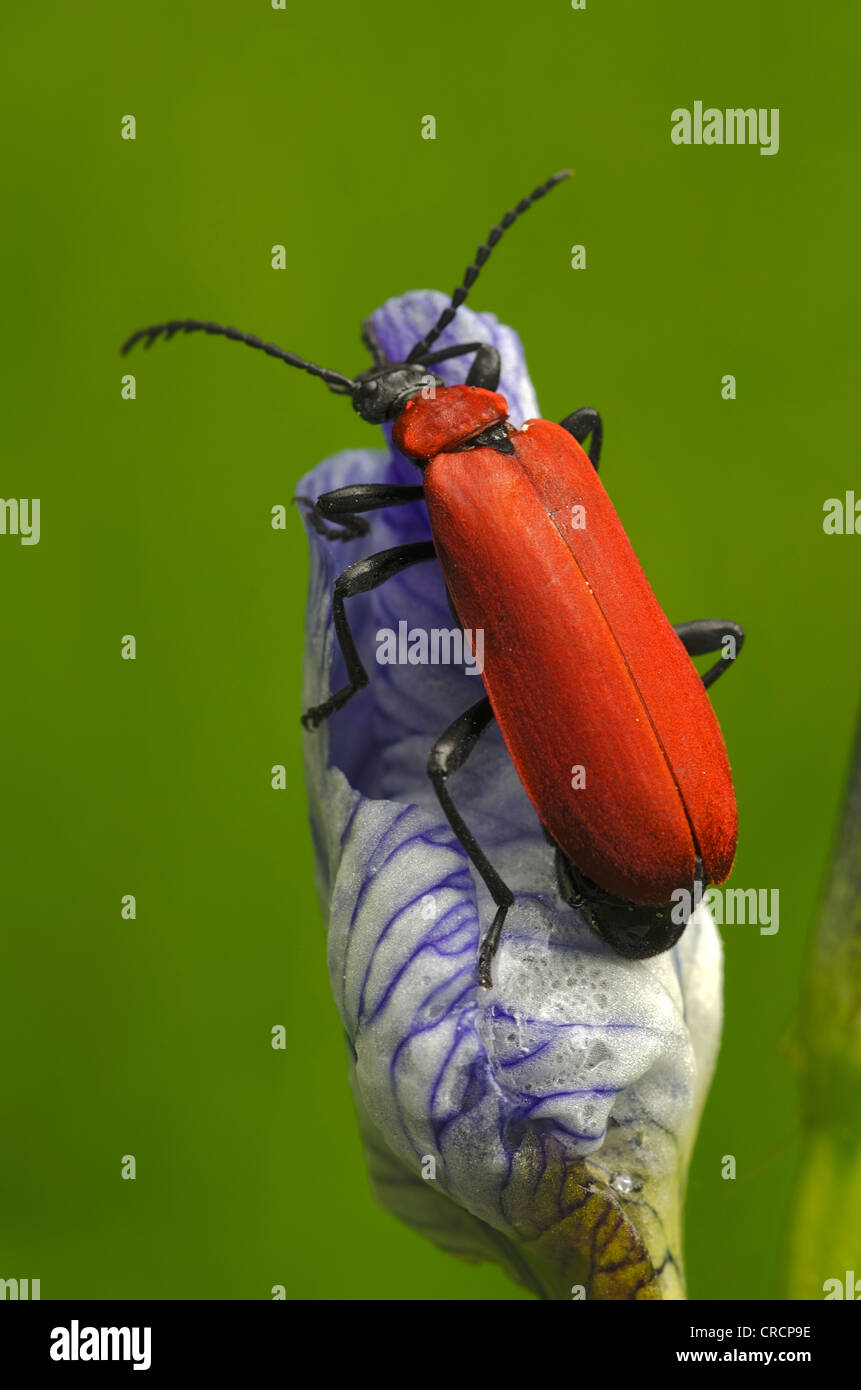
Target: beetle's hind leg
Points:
(359, 578)
(450, 752)
(711, 635)
(634, 930)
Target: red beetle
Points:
(574, 638)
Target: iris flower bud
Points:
(545, 1123)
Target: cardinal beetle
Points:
(577, 650)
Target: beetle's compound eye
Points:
(380, 395)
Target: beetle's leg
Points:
(359, 579)
(581, 423)
(372, 342)
(710, 635)
(486, 368)
(450, 752)
(344, 502)
(350, 528)
(368, 497)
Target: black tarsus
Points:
(706, 635)
(350, 528)
(344, 502)
(359, 578)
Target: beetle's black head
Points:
(381, 393)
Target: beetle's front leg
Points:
(580, 424)
(711, 635)
(344, 502)
(359, 578)
(350, 527)
(486, 369)
(450, 752)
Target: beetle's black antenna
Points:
(481, 255)
(372, 343)
(333, 379)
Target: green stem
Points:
(826, 1235)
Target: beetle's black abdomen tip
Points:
(635, 931)
(639, 941)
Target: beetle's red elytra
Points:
(579, 654)
(577, 650)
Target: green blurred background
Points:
(302, 127)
